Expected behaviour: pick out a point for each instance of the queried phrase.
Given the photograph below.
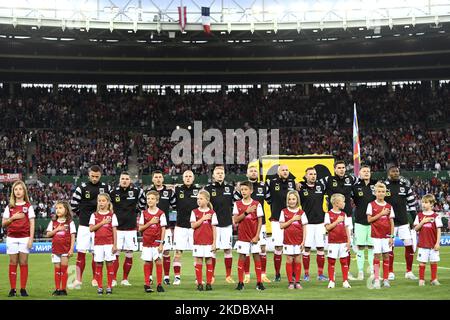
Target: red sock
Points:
(422, 271)
(116, 264)
(391, 260)
(57, 278)
(12, 275)
(385, 269)
(257, 270)
(99, 275)
(94, 266)
(166, 264)
(409, 257)
(23, 276)
(331, 263)
(344, 268)
(306, 259)
(247, 265)
(110, 276)
(320, 259)
(127, 267)
(64, 277)
(289, 271)
(298, 271)
(349, 259)
(177, 268)
(277, 263)
(209, 271)
(433, 271)
(228, 264)
(213, 264)
(241, 263)
(159, 272)
(147, 272)
(376, 268)
(81, 263)
(198, 273)
(263, 258)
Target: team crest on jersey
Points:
(25, 209)
(318, 189)
(130, 194)
(260, 190)
(101, 190)
(88, 195)
(347, 180)
(117, 198)
(290, 184)
(402, 189)
(372, 187)
(195, 192)
(277, 187)
(227, 189)
(165, 193)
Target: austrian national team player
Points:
(18, 218)
(153, 224)
(293, 221)
(248, 214)
(338, 228)
(428, 224)
(62, 230)
(380, 215)
(204, 221)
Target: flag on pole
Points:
(206, 20)
(356, 144)
(182, 17)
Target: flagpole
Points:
(356, 143)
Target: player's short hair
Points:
(429, 198)
(156, 172)
(335, 197)
(380, 185)
(309, 169)
(365, 166)
(219, 167)
(297, 196)
(95, 168)
(153, 193)
(252, 166)
(339, 162)
(247, 184)
(125, 173)
(394, 166)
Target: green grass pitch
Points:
(40, 283)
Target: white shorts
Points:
(381, 245)
(224, 237)
(263, 236)
(16, 245)
(291, 249)
(428, 255)
(183, 238)
(56, 258)
(127, 240)
(277, 234)
(315, 236)
(202, 251)
(85, 239)
(404, 233)
(168, 240)
(150, 254)
(337, 250)
(247, 247)
(104, 253)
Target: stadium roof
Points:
(251, 41)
